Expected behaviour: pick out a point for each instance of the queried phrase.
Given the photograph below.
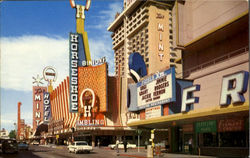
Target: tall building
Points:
(145, 27)
(211, 108)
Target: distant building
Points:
(4, 134)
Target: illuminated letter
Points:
(87, 111)
(161, 56)
(74, 105)
(38, 97)
(189, 100)
(37, 106)
(74, 38)
(74, 89)
(74, 47)
(37, 122)
(233, 87)
(80, 11)
(74, 63)
(160, 27)
(46, 101)
(46, 96)
(161, 47)
(74, 80)
(160, 37)
(74, 97)
(38, 114)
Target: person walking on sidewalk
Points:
(125, 143)
(117, 145)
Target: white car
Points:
(121, 146)
(80, 146)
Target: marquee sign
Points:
(157, 89)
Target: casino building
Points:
(103, 120)
(206, 108)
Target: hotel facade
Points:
(207, 109)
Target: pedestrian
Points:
(117, 145)
(125, 143)
(190, 145)
(98, 143)
(146, 144)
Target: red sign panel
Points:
(229, 125)
(38, 105)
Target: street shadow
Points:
(20, 154)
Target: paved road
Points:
(57, 152)
(62, 152)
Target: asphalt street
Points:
(57, 152)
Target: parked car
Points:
(80, 146)
(121, 146)
(35, 143)
(9, 146)
(23, 146)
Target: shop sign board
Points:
(188, 128)
(47, 107)
(229, 125)
(58, 125)
(153, 112)
(206, 126)
(156, 89)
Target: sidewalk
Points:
(143, 154)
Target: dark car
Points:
(23, 146)
(9, 146)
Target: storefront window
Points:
(210, 139)
(233, 139)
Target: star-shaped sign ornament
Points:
(37, 80)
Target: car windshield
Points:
(81, 143)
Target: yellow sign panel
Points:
(80, 18)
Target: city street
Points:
(103, 152)
(57, 152)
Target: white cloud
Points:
(8, 119)
(26, 56)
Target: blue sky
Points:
(34, 34)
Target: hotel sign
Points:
(157, 89)
(47, 107)
(38, 110)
